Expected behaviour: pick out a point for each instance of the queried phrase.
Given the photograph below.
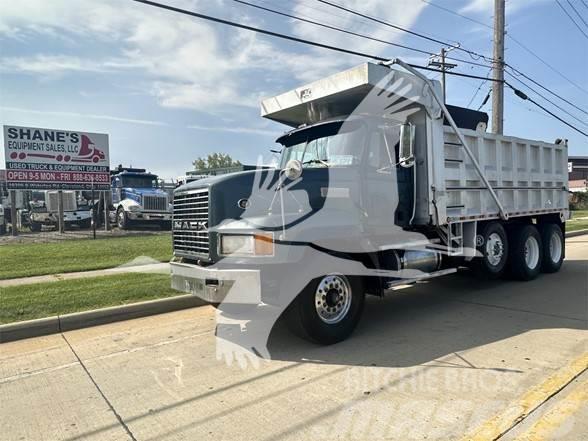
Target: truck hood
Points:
(256, 189)
(137, 193)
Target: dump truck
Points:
(380, 184)
(137, 199)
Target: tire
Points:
(492, 244)
(526, 253)
(121, 219)
(318, 316)
(2, 229)
(85, 224)
(35, 227)
(553, 248)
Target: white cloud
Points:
(52, 64)
(191, 63)
(245, 130)
(487, 6)
(84, 115)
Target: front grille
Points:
(154, 203)
(190, 223)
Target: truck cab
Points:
(138, 199)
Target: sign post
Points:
(61, 223)
(13, 213)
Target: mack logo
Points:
(191, 225)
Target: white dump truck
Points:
(380, 184)
(44, 210)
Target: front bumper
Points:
(239, 286)
(146, 216)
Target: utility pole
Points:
(498, 71)
(443, 67)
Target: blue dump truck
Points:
(137, 199)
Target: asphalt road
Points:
(449, 359)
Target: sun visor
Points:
(368, 89)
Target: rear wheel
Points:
(553, 248)
(492, 246)
(328, 309)
(526, 252)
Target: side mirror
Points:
(407, 145)
(293, 169)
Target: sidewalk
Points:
(159, 268)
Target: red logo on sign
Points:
(88, 153)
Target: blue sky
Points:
(168, 88)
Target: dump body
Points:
(529, 177)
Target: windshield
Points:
(335, 144)
(139, 181)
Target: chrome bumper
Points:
(148, 216)
(215, 285)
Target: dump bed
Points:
(529, 177)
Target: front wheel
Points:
(121, 219)
(328, 309)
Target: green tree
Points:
(215, 160)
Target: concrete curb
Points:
(78, 320)
(576, 233)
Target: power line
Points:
(584, 3)
(548, 100)
(523, 96)
(435, 5)
(577, 13)
(571, 18)
(518, 43)
(324, 9)
(545, 63)
(346, 31)
(478, 89)
(547, 90)
(485, 100)
(385, 23)
(439, 41)
(334, 28)
(334, 48)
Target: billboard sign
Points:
(48, 159)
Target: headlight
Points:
(247, 245)
(134, 208)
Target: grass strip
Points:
(37, 259)
(26, 302)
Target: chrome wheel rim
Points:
(121, 218)
(332, 298)
(494, 249)
(555, 247)
(531, 252)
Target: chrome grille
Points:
(154, 203)
(190, 222)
